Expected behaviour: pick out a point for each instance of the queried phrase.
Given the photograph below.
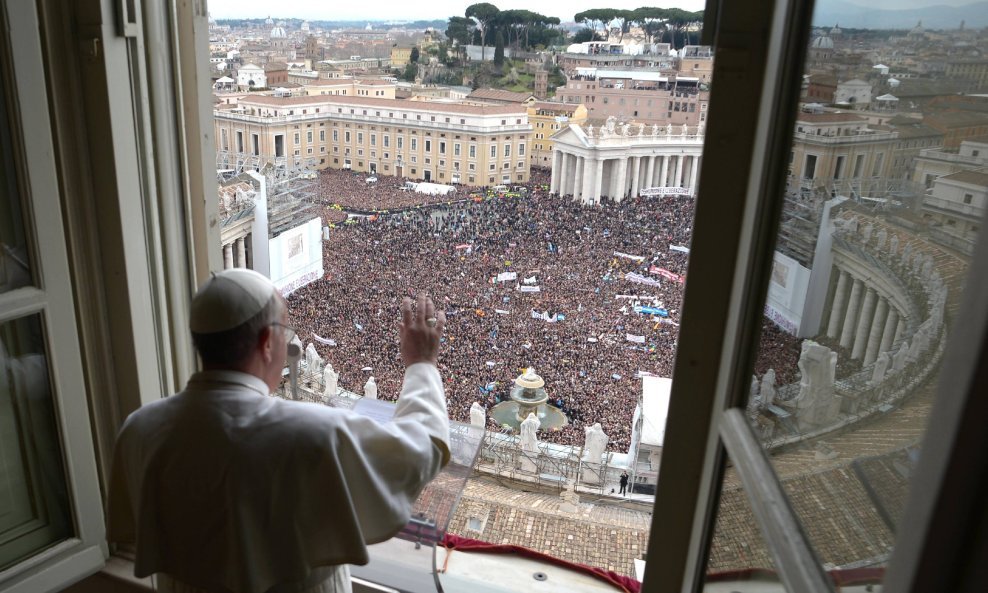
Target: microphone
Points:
(294, 355)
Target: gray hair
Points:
(233, 346)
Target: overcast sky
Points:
(414, 10)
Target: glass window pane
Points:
(739, 560)
(15, 261)
(881, 212)
(34, 506)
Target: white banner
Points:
(529, 280)
(530, 288)
(633, 277)
(679, 248)
(544, 316)
(501, 311)
(636, 339)
(506, 276)
(665, 191)
(637, 258)
(327, 341)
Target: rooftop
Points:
(385, 103)
(499, 95)
(976, 177)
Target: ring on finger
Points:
(431, 322)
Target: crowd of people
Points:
(563, 304)
(365, 192)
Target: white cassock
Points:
(224, 488)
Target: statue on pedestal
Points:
(685, 130)
(330, 380)
(595, 444)
(899, 358)
(589, 131)
(312, 360)
(816, 404)
(609, 123)
(669, 129)
(894, 245)
(866, 233)
(529, 439)
(655, 130)
(641, 129)
(768, 388)
(881, 367)
(478, 415)
(882, 237)
(370, 388)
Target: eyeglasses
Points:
(290, 332)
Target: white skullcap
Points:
(228, 299)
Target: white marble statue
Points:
(754, 402)
(641, 130)
(881, 367)
(899, 358)
(626, 129)
(768, 388)
(866, 233)
(298, 342)
(312, 359)
(589, 131)
(669, 129)
(655, 130)
(816, 404)
(881, 237)
(699, 129)
(604, 133)
(894, 245)
(478, 415)
(529, 439)
(852, 224)
(610, 122)
(330, 380)
(370, 388)
(906, 252)
(595, 444)
(686, 130)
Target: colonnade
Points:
(584, 176)
(863, 319)
(235, 254)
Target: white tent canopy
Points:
(434, 189)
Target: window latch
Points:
(126, 18)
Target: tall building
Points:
(644, 96)
(547, 118)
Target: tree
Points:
(460, 29)
(584, 35)
(484, 14)
(411, 70)
(499, 49)
(415, 55)
(591, 17)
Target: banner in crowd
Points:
(506, 276)
(652, 311)
(633, 277)
(530, 288)
(679, 248)
(529, 280)
(462, 246)
(636, 339)
(327, 341)
(501, 311)
(665, 191)
(637, 258)
(666, 274)
(544, 316)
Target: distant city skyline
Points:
(408, 11)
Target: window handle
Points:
(126, 18)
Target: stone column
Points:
(663, 175)
(678, 179)
(554, 179)
(614, 189)
(227, 256)
(586, 192)
(598, 180)
(890, 324)
(562, 179)
(622, 178)
(900, 328)
(694, 173)
(864, 321)
(579, 166)
(875, 335)
(650, 172)
(241, 253)
(853, 305)
(636, 173)
(840, 299)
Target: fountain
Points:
(528, 396)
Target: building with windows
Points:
(831, 147)
(956, 204)
(937, 162)
(400, 56)
(421, 140)
(645, 96)
(547, 118)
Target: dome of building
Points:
(305, 25)
(835, 31)
(278, 33)
(269, 21)
(823, 42)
